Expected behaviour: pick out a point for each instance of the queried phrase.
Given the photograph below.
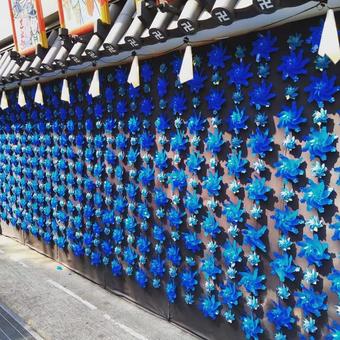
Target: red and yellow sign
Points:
(28, 25)
(79, 16)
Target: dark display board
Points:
(213, 204)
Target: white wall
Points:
(49, 7)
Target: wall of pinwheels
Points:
(211, 203)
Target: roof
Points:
(149, 30)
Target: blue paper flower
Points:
(162, 86)
(171, 291)
(287, 220)
(283, 266)
(173, 254)
(215, 100)
(175, 217)
(251, 327)
(233, 212)
(260, 95)
(178, 179)
(209, 306)
(252, 282)
(319, 143)
(214, 141)
(239, 74)
(293, 65)
(236, 164)
(229, 294)
(217, 56)
(179, 141)
(257, 189)
(281, 316)
(192, 202)
(313, 250)
(141, 278)
(316, 196)
(210, 226)
(196, 124)
(263, 46)
(232, 253)
(311, 302)
(237, 120)
(289, 168)
(178, 104)
(260, 142)
(161, 160)
(334, 277)
(197, 83)
(194, 162)
(252, 237)
(192, 242)
(290, 118)
(188, 280)
(322, 89)
(212, 183)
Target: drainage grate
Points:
(10, 328)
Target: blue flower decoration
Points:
(173, 255)
(214, 142)
(260, 142)
(179, 141)
(251, 327)
(209, 306)
(217, 56)
(283, 266)
(229, 294)
(162, 86)
(237, 120)
(313, 250)
(215, 100)
(311, 302)
(322, 89)
(334, 277)
(212, 183)
(233, 212)
(236, 164)
(171, 291)
(287, 220)
(196, 124)
(239, 74)
(232, 253)
(194, 162)
(192, 242)
(188, 280)
(336, 227)
(161, 160)
(210, 226)
(281, 316)
(252, 237)
(319, 143)
(260, 95)
(316, 196)
(197, 83)
(263, 46)
(293, 65)
(178, 179)
(290, 118)
(252, 281)
(192, 202)
(257, 189)
(209, 267)
(289, 168)
(178, 104)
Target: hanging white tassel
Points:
(329, 43)
(94, 89)
(187, 68)
(4, 101)
(133, 78)
(65, 92)
(21, 97)
(38, 98)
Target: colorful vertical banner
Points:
(79, 16)
(28, 25)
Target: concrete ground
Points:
(57, 303)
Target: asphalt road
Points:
(52, 302)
